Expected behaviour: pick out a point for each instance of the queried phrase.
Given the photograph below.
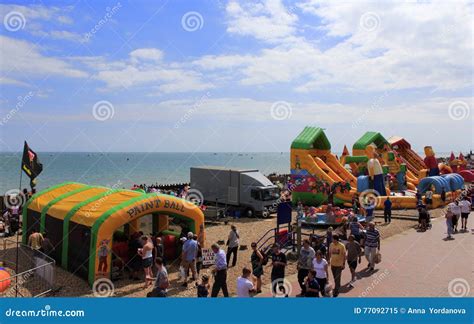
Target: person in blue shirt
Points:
(387, 210)
(188, 258)
(312, 285)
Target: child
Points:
(203, 288)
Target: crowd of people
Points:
(11, 215)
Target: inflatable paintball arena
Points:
(79, 219)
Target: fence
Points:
(32, 272)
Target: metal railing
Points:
(32, 273)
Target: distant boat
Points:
(128, 159)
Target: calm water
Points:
(125, 169)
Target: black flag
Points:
(30, 163)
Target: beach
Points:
(250, 229)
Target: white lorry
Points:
(245, 190)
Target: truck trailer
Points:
(245, 190)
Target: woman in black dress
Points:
(257, 266)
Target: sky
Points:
(247, 76)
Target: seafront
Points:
(414, 264)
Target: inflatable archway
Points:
(79, 218)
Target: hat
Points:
(190, 235)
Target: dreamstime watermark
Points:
(369, 198)
(193, 198)
(192, 21)
(281, 287)
(459, 287)
(99, 202)
(369, 21)
(14, 198)
(22, 279)
(14, 21)
(22, 101)
(375, 106)
(110, 12)
(281, 110)
(459, 110)
(103, 110)
(190, 112)
(377, 280)
(47, 311)
(103, 287)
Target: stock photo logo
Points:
(14, 198)
(369, 21)
(103, 287)
(281, 288)
(459, 110)
(14, 21)
(281, 110)
(194, 197)
(192, 21)
(369, 198)
(103, 110)
(459, 287)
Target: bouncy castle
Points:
(374, 168)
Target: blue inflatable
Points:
(456, 181)
(437, 181)
(362, 183)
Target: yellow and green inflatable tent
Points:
(78, 217)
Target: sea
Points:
(122, 170)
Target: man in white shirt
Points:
(220, 272)
(465, 210)
(244, 285)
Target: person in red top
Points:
(431, 162)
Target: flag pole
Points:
(16, 256)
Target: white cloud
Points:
(20, 58)
(151, 54)
(9, 81)
(268, 21)
(40, 19)
(408, 46)
(147, 68)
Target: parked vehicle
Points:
(246, 191)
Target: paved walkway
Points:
(414, 264)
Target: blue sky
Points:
(233, 75)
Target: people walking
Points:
(220, 272)
(278, 271)
(456, 211)
(387, 210)
(312, 287)
(320, 265)
(232, 245)
(305, 264)
(337, 260)
(257, 260)
(449, 224)
(465, 211)
(189, 255)
(355, 227)
(353, 257)
(371, 245)
(160, 288)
